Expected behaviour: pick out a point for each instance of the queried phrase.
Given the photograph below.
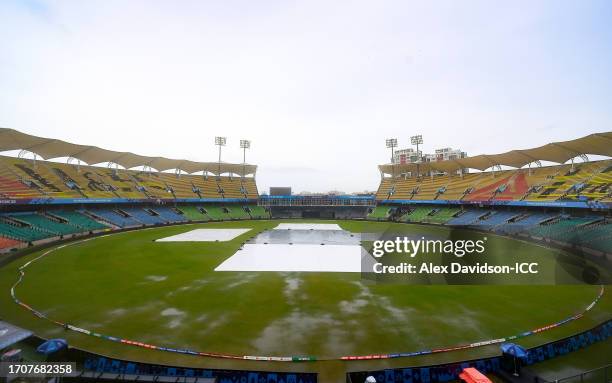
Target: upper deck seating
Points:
(25, 178)
(590, 180)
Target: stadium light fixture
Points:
(392, 144)
(244, 144)
(417, 140)
(220, 141)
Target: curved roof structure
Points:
(559, 152)
(48, 148)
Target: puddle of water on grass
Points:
(177, 317)
(156, 278)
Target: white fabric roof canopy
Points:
(48, 148)
(559, 152)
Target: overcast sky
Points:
(316, 85)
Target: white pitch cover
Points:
(307, 226)
(205, 235)
(300, 258)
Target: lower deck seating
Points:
(238, 212)
(494, 219)
(466, 217)
(23, 233)
(379, 213)
(524, 222)
(594, 232)
(603, 243)
(114, 218)
(216, 212)
(168, 214)
(8, 243)
(442, 215)
(258, 212)
(193, 213)
(46, 224)
(79, 220)
(417, 215)
(144, 215)
(562, 229)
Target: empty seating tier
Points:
(193, 213)
(23, 178)
(8, 243)
(585, 181)
(216, 213)
(379, 213)
(79, 220)
(258, 212)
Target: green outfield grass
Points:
(168, 294)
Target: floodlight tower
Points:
(416, 140)
(220, 141)
(392, 143)
(244, 144)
